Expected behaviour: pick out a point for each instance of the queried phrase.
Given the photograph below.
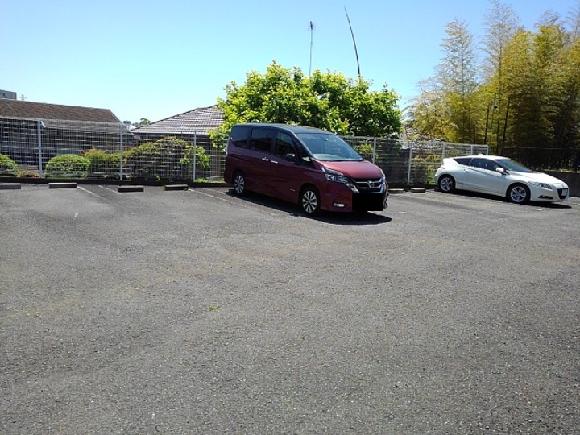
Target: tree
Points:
(501, 23)
(142, 122)
(457, 78)
(446, 107)
(325, 100)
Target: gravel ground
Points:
(195, 311)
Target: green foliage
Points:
(165, 159)
(424, 168)
(103, 162)
(67, 166)
(326, 100)
(527, 102)
(365, 149)
(7, 166)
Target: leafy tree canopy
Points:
(325, 100)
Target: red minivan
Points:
(306, 166)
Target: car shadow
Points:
(468, 194)
(360, 218)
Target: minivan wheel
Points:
(310, 201)
(518, 194)
(239, 184)
(446, 184)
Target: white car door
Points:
(460, 173)
(485, 178)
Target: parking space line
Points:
(88, 191)
(207, 194)
(108, 188)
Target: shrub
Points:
(103, 162)
(7, 166)
(424, 167)
(67, 166)
(165, 159)
(365, 149)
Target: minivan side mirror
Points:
(502, 171)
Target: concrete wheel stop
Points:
(129, 188)
(10, 186)
(173, 187)
(62, 185)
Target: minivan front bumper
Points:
(339, 198)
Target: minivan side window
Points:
(284, 146)
(261, 139)
(239, 136)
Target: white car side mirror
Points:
(502, 171)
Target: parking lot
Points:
(196, 311)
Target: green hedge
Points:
(67, 166)
(7, 166)
(103, 163)
(169, 158)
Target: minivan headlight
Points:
(338, 177)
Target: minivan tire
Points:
(239, 184)
(310, 201)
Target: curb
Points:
(173, 187)
(417, 190)
(62, 185)
(396, 190)
(10, 186)
(129, 188)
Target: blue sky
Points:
(156, 59)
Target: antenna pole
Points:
(353, 42)
(311, 44)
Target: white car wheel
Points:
(519, 194)
(446, 184)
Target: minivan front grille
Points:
(373, 185)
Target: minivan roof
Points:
(291, 128)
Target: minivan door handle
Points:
(274, 161)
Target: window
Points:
(463, 160)
(261, 139)
(328, 147)
(284, 146)
(239, 136)
(490, 165)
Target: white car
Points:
(499, 176)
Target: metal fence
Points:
(111, 151)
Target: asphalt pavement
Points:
(199, 312)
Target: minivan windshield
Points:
(328, 147)
(510, 165)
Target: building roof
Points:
(31, 110)
(199, 121)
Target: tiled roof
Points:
(32, 110)
(200, 121)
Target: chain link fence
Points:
(110, 151)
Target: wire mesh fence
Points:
(97, 150)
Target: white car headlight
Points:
(542, 185)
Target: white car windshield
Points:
(328, 147)
(510, 165)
